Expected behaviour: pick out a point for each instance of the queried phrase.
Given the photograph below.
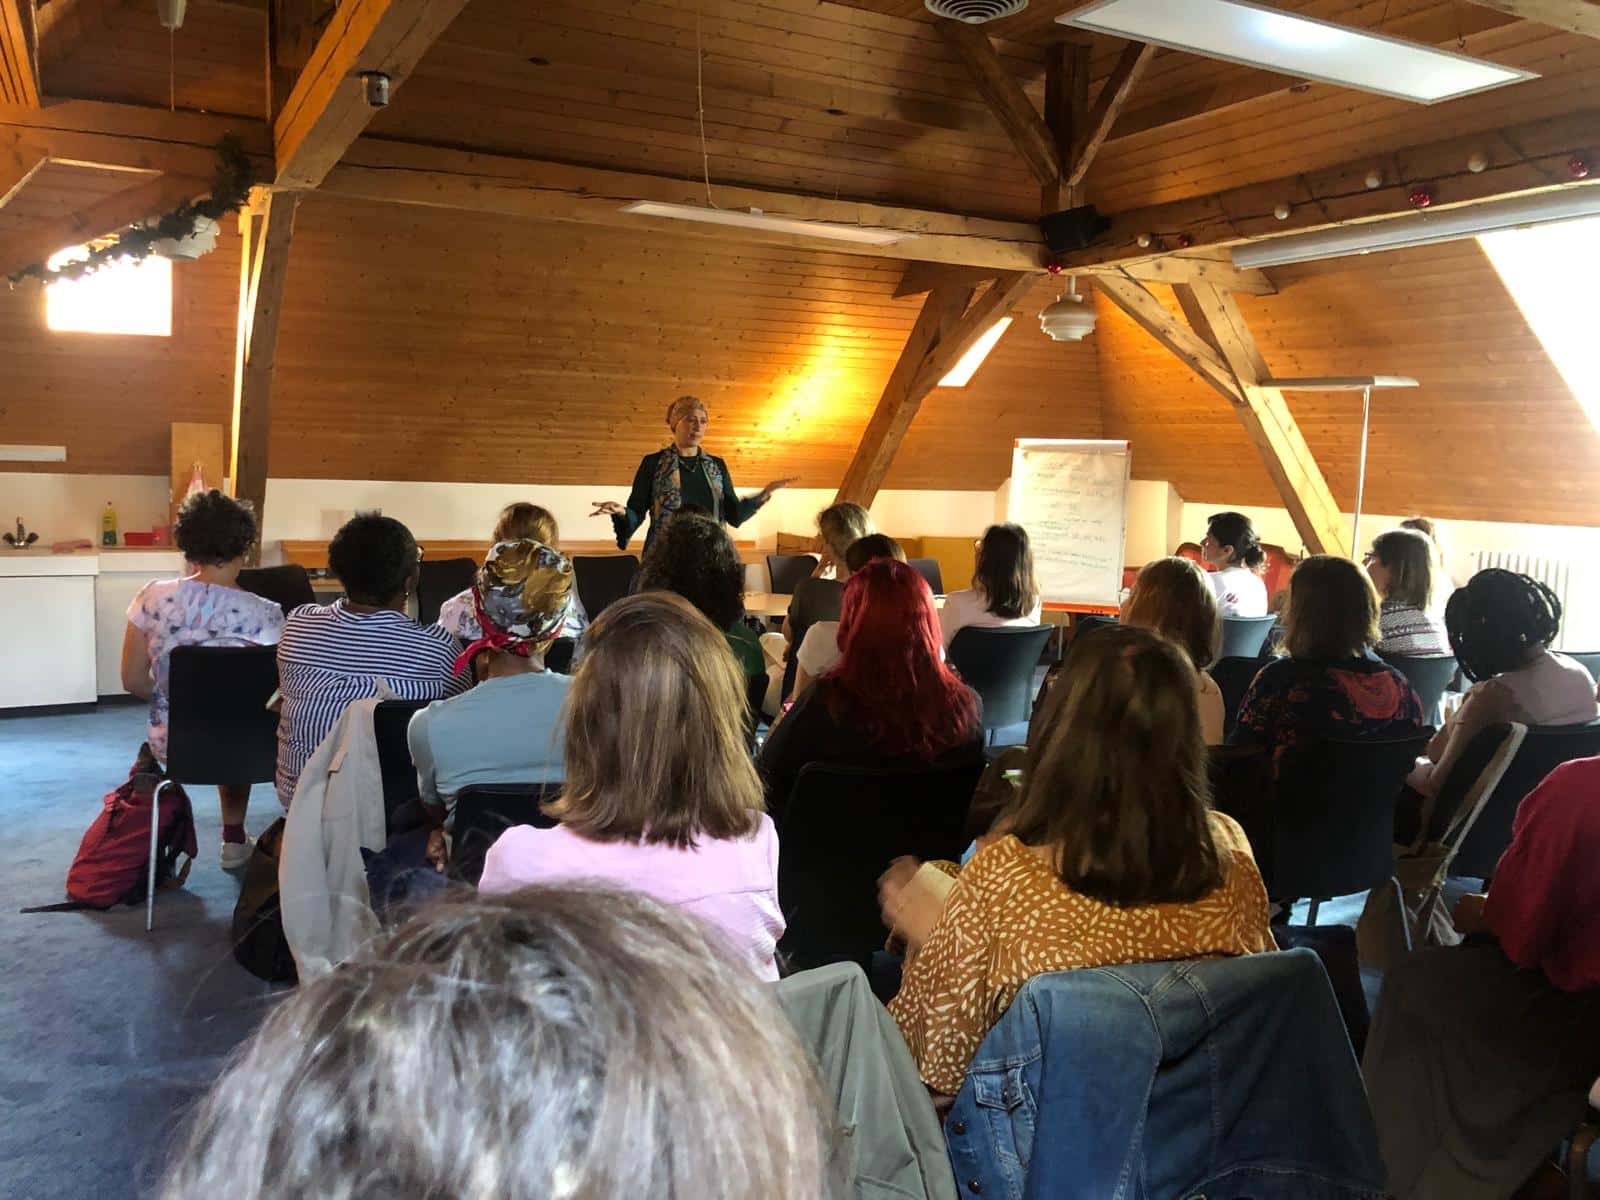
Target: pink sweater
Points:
(732, 884)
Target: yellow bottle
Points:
(108, 526)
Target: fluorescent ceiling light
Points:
(864, 235)
(33, 454)
(1424, 228)
(961, 374)
(1237, 31)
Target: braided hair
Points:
(1498, 620)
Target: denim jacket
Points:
(1216, 1079)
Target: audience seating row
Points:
(787, 571)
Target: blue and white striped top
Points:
(329, 657)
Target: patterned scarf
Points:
(667, 491)
(520, 597)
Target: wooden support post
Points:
(262, 276)
(1575, 16)
(1066, 111)
(945, 330)
(1006, 99)
(1108, 107)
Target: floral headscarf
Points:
(521, 598)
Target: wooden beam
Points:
(945, 329)
(1270, 424)
(257, 341)
(1006, 99)
(19, 71)
(1066, 112)
(920, 277)
(1189, 347)
(404, 173)
(1108, 107)
(126, 137)
(35, 243)
(1523, 159)
(327, 110)
(1575, 16)
(1186, 268)
(17, 166)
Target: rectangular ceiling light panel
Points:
(1240, 32)
(862, 235)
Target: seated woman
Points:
(206, 607)
(1400, 565)
(1172, 597)
(508, 728)
(1480, 1054)
(1329, 685)
(839, 526)
(1231, 546)
(571, 1042)
(889, 701)
(1003, 590)
(517, 522)
(693, 556)
(333, 654)
(660, 793)
(1501, 626)
(820, 650)
(1111, 855)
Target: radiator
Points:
(1555, 573)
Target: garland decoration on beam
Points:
(230, 191)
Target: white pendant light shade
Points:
(1069, 319)
(171, 13)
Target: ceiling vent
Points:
(974, 12)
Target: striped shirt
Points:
(329, 657)
(1410, 631)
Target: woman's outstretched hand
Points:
(766, 492)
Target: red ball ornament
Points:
(1578, 166)
(1054, 267)
(1421, 198)
(1185, 240)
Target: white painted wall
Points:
(1148, 505)
(62, 507)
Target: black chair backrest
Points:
(787, 571)
(560, 655)
(1243, 637)
(1544, 749)
(998, 664)
(1428, 675)
(219, 729)
(841, 829)
(603, 580)
(1329, 827)
(928, 568)
(287, 586)
(485, 811)
(439, 581)
(1233, 677)
(1590, 661)
(390, 720)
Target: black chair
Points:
(219, 729)
(560, 655)
(788, 571)
(1233, 677)
(1590, 661)
(1429, 675)
(1544, 748)
(485, 811)
(928, 568)
(603, 580)
(402, 802)
(439, 581)
(288, 586)
(1243, 637)
(841, 829)
(998, 664)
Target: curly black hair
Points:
(694, 557)
(373, 556)
(213, 528)
(1498, 619)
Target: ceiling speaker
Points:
(974, 12)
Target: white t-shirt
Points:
(971, 607)
(820, 649)
(1240, 592)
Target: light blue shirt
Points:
(504, 730)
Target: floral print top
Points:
(187, 612)
(1294, 699)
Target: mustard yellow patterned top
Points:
(1010, 917)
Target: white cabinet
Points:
(47, 612)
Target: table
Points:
(776, 604)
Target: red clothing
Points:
(1544, 901)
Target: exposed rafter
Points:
(1214, 268)
(1108, 107)
(34, 243)
(18, 165)
(1575, 16)
(1066, 113)
(1006, 99)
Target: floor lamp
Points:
(1366, 385)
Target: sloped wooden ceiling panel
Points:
(1493, 434)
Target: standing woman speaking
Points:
(679, 474)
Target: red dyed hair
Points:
(891, 680)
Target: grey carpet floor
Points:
(107, 1034)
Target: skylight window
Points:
(123, 297)
(1549, 271)
(967, 365)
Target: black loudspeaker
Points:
(1074, 229)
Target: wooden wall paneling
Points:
(19, 75)
(1578, 16)
(1008, 103)
(1108, 106)
(194, 444)
(17, 166)
(146, 198)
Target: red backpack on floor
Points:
(113, 860)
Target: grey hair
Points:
(558, 1044)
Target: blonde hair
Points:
(554, 1043)
(685, 404)
(1172, 597)
(842, 524)
(524, 522)
(655, 747)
